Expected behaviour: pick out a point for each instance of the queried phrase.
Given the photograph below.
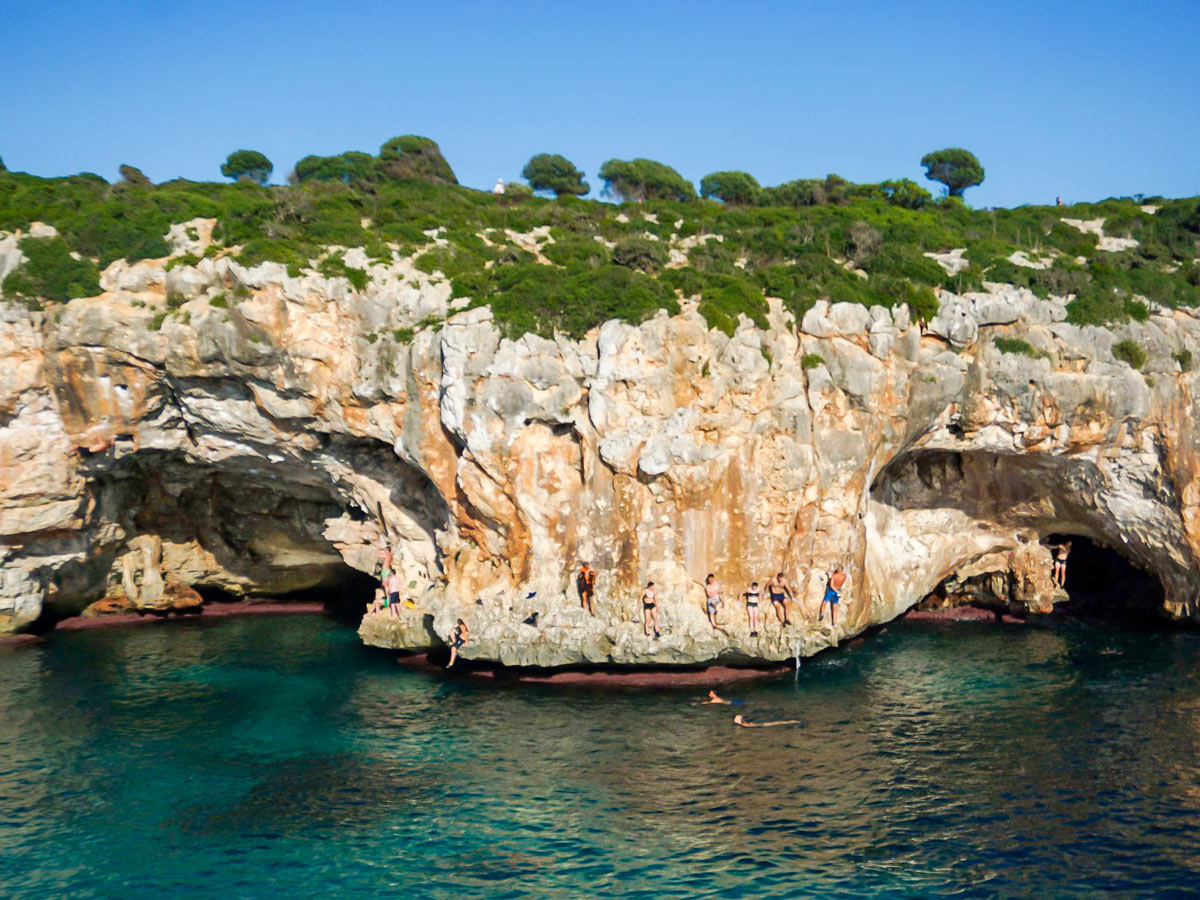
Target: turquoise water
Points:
(277, 758)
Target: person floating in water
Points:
(714, 700)
(780, 593)
(586, 581)
(1061, 552)
(712, 598)
(738, 720)
(649, 609)
(835, 583)
(750, 595)
(458, 639)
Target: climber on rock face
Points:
(780, 593)
(751, 597)
(458, 639)
(586, 581)
(712, 598)
(835, 583)
(649, 609)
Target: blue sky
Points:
(1083, 100)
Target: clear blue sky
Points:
(1082, 99)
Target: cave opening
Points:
(181, 533)
(1102, 582)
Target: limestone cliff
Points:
(236, 429)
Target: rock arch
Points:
(972, 516)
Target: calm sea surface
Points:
(277, 758)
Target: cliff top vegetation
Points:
(730, 247)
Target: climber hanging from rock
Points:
(835, 584)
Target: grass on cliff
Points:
(616, 260)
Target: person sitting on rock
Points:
(649, 609)
(835, 583)
(712, 598)
(458, 639)
(750, 595)
(586, 581)
(378, 602)
(780, 593)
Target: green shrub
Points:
(724, 296)
(403, 335)
(640, 253)
(187, 259)
(218, 301)
(1016, 346)
(811, 361)
(49, 272)
(1184, 358)
(156, 321)
(1128, 351)
(334, 266)
(411, 156)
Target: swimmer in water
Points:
(713, 699)
(738, 720)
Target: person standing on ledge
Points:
(835, 583)
(780, 593)
(750, 595)
(712, 598)
(1061, 552)
(649, 609)
(586, 581)
(458, 638)
(393, 585)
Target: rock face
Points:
(239, 430)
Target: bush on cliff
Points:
(801, 252)
(49, 272)
(411, 156)
(1129, 351)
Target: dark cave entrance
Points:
(1103, 583)
(345, 593)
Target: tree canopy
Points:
(351, 166)
(554, 173)
(133, 174)
(957, 169)
(2, 168)
(733, 188)
(644, 179)
(247, 164)
(412, 156)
